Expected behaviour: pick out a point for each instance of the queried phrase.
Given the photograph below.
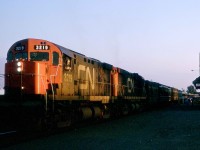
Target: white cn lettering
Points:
(89, 78)
(130, 85)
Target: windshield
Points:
(39, 56)
(17, 56)
(23, 55)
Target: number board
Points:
(41, 47)
(20, 48)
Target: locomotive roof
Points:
(71, 53)
(68, 52)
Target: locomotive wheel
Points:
(67, 122)
(125, 109)
(106, 113)
(68, 118)
(40, 124)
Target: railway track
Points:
(7, 133)
(161, 125)
(8, 138)
(12, 137)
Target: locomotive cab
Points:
(32, 65)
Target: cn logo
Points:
(88, 77)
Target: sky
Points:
(159, 39)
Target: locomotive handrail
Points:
(54, 75)
(46, 93)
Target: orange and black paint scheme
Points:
(55, 80)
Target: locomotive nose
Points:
(25, 77)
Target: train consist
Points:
(47, 83)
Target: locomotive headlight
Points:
(19, 69)
(19, 66)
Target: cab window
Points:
(23, 55)
(9, 57)
(55, 58)
(68, 63)
(39, 56)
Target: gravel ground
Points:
(174, 128)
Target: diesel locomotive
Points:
(45, 82)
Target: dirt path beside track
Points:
(174, 128)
